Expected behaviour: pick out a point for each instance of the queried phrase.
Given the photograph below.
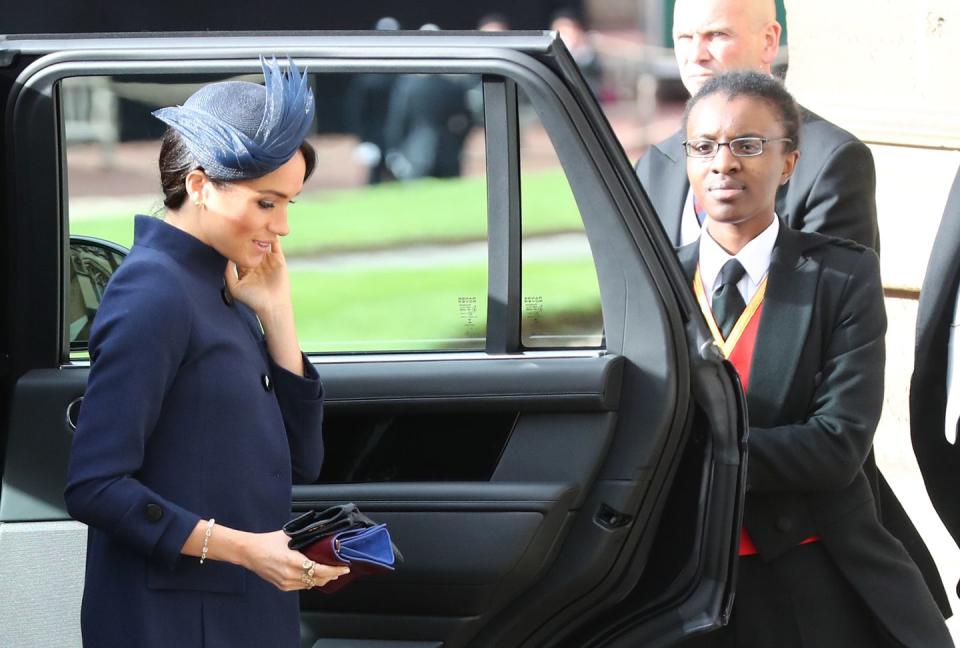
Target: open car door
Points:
(547, 489)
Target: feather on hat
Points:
(238, 130)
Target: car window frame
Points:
(610, 181)
(504, 240)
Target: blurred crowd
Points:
(415, 126)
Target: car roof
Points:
(530, 42)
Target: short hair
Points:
(756, 85)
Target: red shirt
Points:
(738, 349)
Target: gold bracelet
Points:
(206, 540)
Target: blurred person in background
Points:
(428, 122)
(567, 23)
(366, 105)
(493, 22)
(833, 189)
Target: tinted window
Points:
(387, 250)
(560, 293)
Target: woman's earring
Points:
(198, 203)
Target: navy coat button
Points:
(154, 512)
(784, 524)
(267, 384)
(225, 296)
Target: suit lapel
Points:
(787, 311)
(688, 256)
(786, 201)
(939, 291)
(672, 186)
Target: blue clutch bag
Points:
(341, 535)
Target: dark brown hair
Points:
(176, 162)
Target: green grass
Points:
(395, 214)
(441, 307)
(435, 307)
(394, 309)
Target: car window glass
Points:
(388, 240)
(560, 293)
(92, 262)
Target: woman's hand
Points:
(264, 288)
(269, 558)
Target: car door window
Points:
(561, 297)
(388, 242)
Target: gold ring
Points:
(310, 572)
(308, 564)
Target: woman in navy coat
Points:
(200, 409)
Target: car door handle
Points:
(73, 412)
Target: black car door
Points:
(550, 482)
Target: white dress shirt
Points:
(689, 223)
(754, 257)
(952, 414)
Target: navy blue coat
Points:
(185, 417)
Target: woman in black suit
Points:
(200, 409)
(801, 317)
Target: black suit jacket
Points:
(938, 459)
(814, 400)
(831, 191)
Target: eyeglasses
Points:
(739, 147)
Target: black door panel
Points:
(39, 440)
(534, 382)
(462, 542)
(39, 444)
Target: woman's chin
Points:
(248, 261)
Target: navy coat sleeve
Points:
(301, 404)
(827, 450)
(137, 343)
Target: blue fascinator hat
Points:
(238, 130)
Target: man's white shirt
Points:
(952, 414)
(754, 257)
(689, 223)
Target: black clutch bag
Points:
(342, 535)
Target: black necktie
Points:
(727, 302)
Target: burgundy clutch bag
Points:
(342, 535)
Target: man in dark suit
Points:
(935, 387)
(427, 126)
(801, 317)
(832, 190)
